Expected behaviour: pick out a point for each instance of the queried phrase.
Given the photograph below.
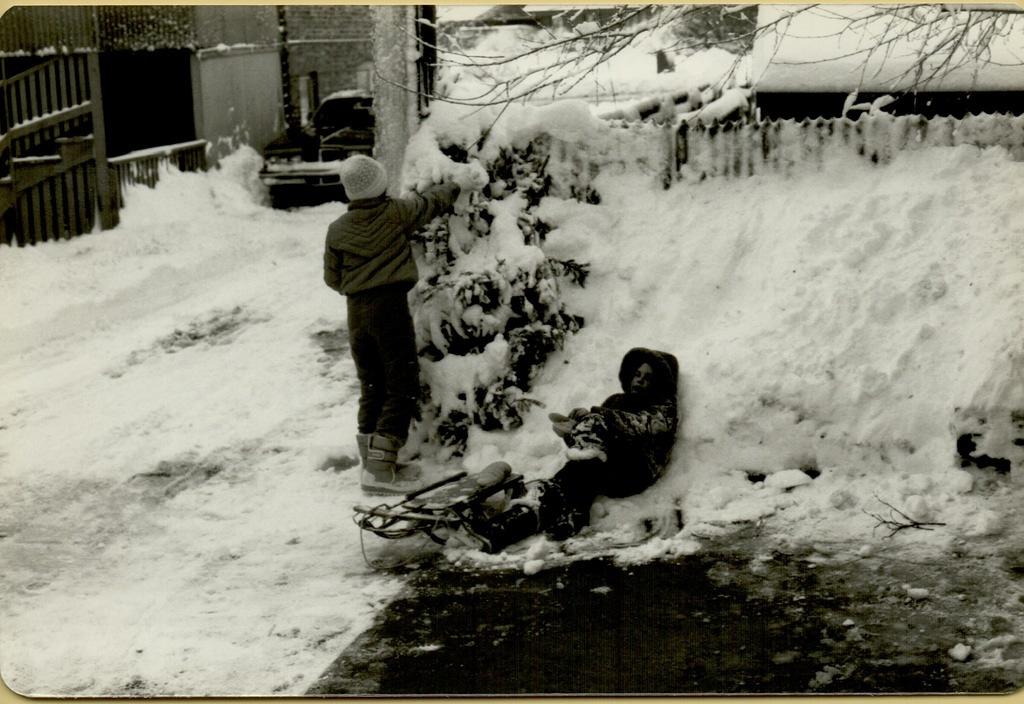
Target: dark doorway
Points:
(147, 99)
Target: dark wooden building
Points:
(124, 87)
(168, 74)
(96, 97)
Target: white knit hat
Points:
(363, 177)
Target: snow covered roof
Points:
(507, 14)
(460, 13)
(556, 9)
(574, 6)
(483, 14)
(841, 48)
(347, 93)
(496, 14)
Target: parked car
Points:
(300, 166)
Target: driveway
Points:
(741, 617)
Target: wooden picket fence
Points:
(742, 148)
(745, 148)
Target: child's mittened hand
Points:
(578, 413)
(472, 177)
(562, 425)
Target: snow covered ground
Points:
(173, 386)
(188, 342)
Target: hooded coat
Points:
(634, 431)
(641, 428)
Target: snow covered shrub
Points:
(488, 292)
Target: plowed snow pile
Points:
(838, 330)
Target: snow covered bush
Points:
(488, 309)
(489, 297)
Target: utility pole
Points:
(108, 211)
(426, 64)
(291, 118)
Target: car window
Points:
(356, 113)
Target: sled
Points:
(438, 510)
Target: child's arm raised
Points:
(419, 209)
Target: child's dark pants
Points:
(384, 350)
(565, 503)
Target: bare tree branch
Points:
(898, 520)
(944, 38)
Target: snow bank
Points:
(841, 331)
(837, 328)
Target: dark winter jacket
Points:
(642, 427)
(368, 246)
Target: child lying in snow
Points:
(616, 449)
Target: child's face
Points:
(643, 377)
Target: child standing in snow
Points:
(616, 449)
(368, 259)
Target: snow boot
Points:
(405, 455)
(519, 522)
(382, 475)
(363, 443)
(563, 516)
(568, 524)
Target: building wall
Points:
(30, 29)
(238, 98)
(332, 40)
(170, 73)
(135, 27)
(144, 28)
(235, 24)
(109, 28)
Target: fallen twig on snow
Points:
(897, 525)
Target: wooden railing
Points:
(52, 174)
(51, 197)
(144, 166)
(44, 103)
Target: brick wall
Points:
(333, 40)
(236, 24)
(136, 27)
